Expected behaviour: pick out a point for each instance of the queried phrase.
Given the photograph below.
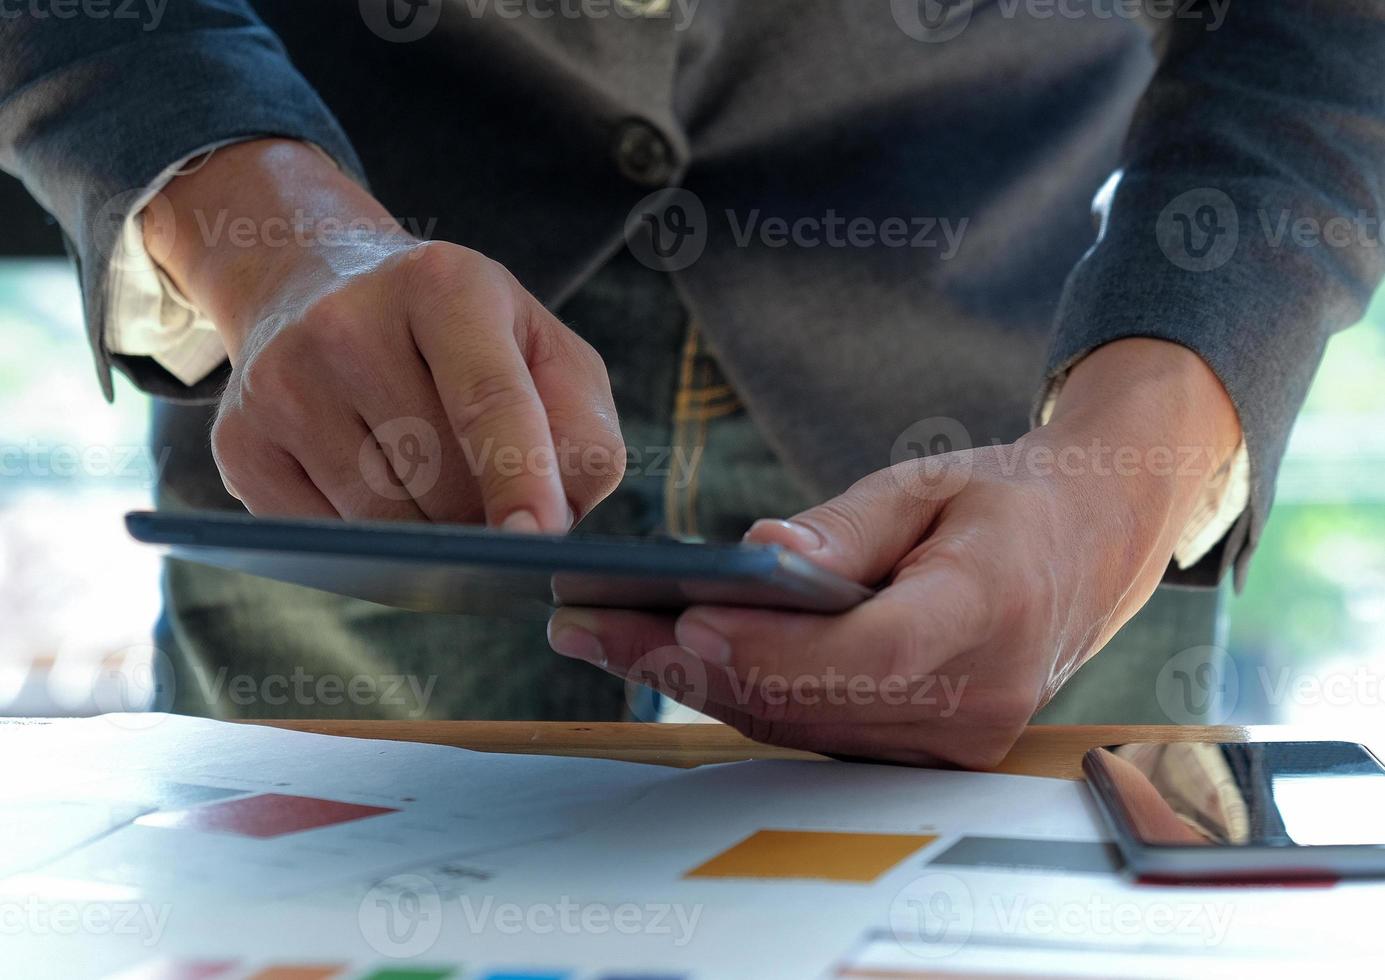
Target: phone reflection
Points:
(1181, 793)
(1255, 794)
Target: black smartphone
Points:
(1243, 811)
(455, 569)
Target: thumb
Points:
(864, 533)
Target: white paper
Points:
(579, 867)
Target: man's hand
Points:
(376, 376)
(1004, 569)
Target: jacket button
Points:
(644, 155)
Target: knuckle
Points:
(232, 445)
(434, 264)
(842, 523)
(262, 379)
(607, 450)
(437, 270)
(271, 393)
(488, 398)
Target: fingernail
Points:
(799, 537)
(702, 640)
(577, 643)
(521, 522)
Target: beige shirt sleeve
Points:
(148, 316)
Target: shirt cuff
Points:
(148, 315)
(1224, 497)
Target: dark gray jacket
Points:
(532, 139)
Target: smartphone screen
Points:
(1241, 807)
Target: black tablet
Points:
(454, 569)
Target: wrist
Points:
(1161, 418)
(231, 233)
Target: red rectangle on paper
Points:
(266, 815)
(175, 970)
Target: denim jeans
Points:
(242, 647)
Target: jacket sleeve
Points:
(92, 110)
(1244, 223)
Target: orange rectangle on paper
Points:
(825, 855)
